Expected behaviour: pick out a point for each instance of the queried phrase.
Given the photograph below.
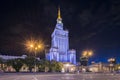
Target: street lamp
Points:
(87, 54)
(34, 46)
(85, 57)
(112, 62)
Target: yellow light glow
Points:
(118, 67)
(84, 53)
(90, 53)
(87, 53)
(39, 46)
(33, 45)
(72, 69)
(36, 48)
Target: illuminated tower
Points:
(60, 42)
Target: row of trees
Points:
(30, 62)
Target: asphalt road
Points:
(53, 76)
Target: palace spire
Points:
(59, 14)
(59, 19)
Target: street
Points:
(53, 76)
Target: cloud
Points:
(86, 37)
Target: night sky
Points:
(92, 24)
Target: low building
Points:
(68, 67)
(4, 67)
(99, 67)
(6, 57)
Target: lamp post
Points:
(84, 59)
(34, 46)
(87, 54)
(112, 62)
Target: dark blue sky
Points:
(92, 24)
